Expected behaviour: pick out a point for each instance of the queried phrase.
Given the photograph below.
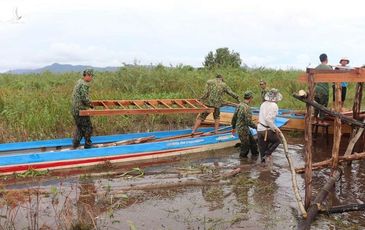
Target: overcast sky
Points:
(275, 34)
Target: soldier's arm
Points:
(229, 91)
(234, 118)
(250, 121)
(84, 95)
(206, 92)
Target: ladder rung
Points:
(105, 106)
(155, 106)
(149, 104)
(162, 102)
(179, 104)
(200, 103)
(188, 102)
(119, 104)
(135, 104)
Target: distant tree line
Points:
(222, 58)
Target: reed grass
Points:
(37, 106)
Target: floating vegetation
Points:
(31, 173)
(133, 173)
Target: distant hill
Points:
(62, 68)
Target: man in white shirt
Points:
(267, 131)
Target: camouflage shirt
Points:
(263, 93)
(322, 88)
(242, 118)
(80, 97)
(214, 92)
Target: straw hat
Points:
(345, 59)
(273, 95)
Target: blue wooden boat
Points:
(296, 121)
(295, 118)
(22, 156)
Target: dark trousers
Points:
(247, 143)
(84, 129)
(322, 100)
(343, 93)
(268, 146)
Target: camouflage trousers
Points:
(321, 99)
(84, 128)
(247, 143)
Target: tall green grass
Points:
(37, 106)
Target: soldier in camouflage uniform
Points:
(321, 91)
(263, 89)
(80, 101)
(242, 120)
(213, 97)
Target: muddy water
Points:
(190, 195)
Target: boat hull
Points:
(16, 162)
(135, 158)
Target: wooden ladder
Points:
(156, 106)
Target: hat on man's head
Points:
(219, 76)
(88, 72)
(345, 59)
(273, 95)
(248, 94)
(262, 82)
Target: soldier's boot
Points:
(253, 146)
(254, 151)
(75, 145)
(76, 140)
(243, 152)
(88, 142)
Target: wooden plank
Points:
(111, 112)
(326, 163)
(337, 129)
(308, 145)
(177, 137)
(357, 134)
(167, 106)
(331, 113)
(356, 108)
(321, 196)
(344, 208)
(356, 75)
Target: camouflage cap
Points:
(88, 72)
(248, 94)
